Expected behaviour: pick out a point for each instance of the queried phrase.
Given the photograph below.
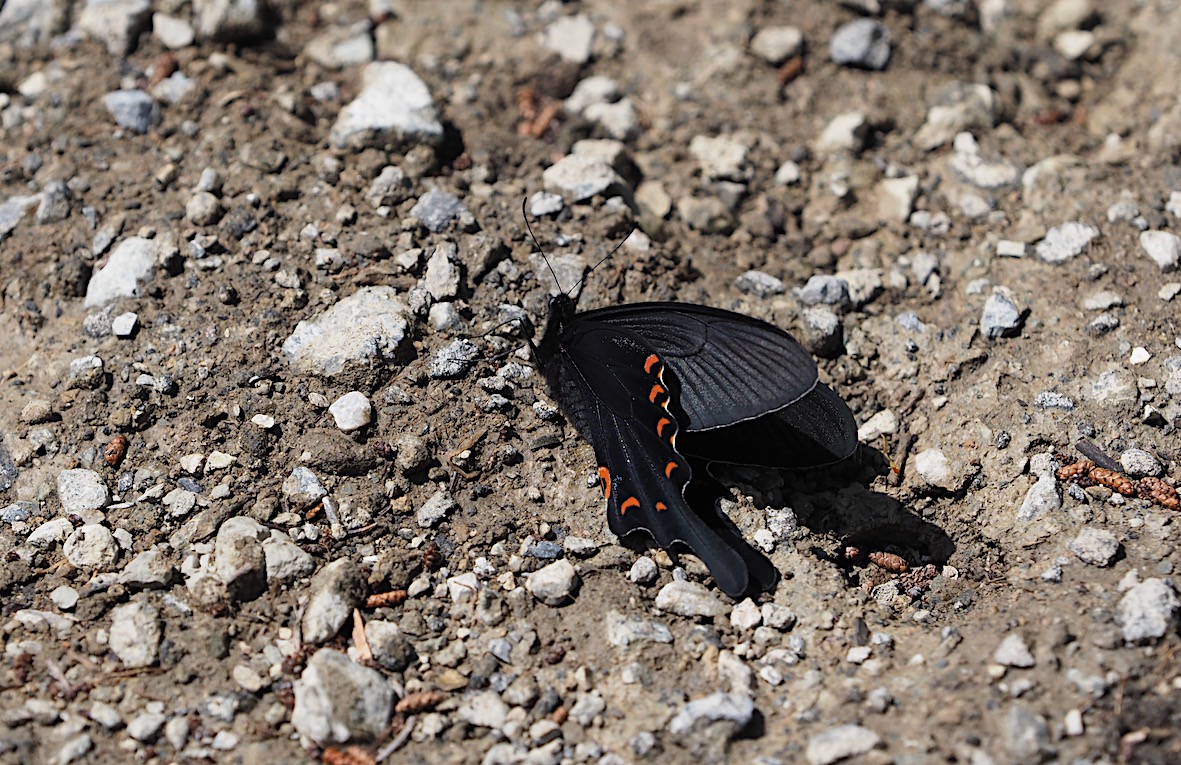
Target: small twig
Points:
(904, 447)
(402, 737)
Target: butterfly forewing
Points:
(731, 367)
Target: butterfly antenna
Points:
(537, 244)
(607, 257)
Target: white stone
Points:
(1163, 247)
(882, 423)
(553, 584)
(132, 261)
(351, 411)
(81, 491)
(777, 44)
(394, 103)
(845, 132)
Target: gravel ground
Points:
(278, 481)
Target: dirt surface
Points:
(1021, 630)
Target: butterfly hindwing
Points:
(630, 413)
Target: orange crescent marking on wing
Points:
(656, 391)
(628, 504)
(661, 424)
(650, 362)
(669, 468)
(605, 477)
(661, 506)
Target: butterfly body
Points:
(660, 389)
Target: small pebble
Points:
(863, 43)
(685, 598)
(840, 743)
(1013, 652)
(1147, 612)
(1065, 241)
(351, 411)
(1163, 247)
(554, 584)
(1097, 547)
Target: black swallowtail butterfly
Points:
(661, 389)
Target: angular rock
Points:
(1148, 611)
(336, 590)
(554, 584)
(337, 700)
(133, 261)
(689, 599)
(361, 331)
(394, 108)
(135, 634)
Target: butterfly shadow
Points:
(849, 521)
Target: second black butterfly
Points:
(661, 389)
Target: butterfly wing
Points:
(816, 430)
(630, 414)
(732, 367)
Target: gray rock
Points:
(390, 646)
(935, 469)
(689, 599)
(175, 33)
(285, 560)
(442, 272)
(587, 708)
(134, 110)
(203, 209)
(453, 361)
(823, 289)
(484, 710)
(957, 107)
(778, 617)
(302, 489)
(759, 284)
(337, 700)
(85, 373)
(1013, 652)
(92, 546)
(15, 208)
(394, 107)
(50, 532)
(643, 571)
(124, 325)
(839, 743)
(844, 133)
(135, 634)
(435, 509)
(336, 590)
(1027, 737)
(81, 491)
(554, 584)
(363, 330)
(340, 47)
(18, 512)
(146, 726)
(621, 119)
(390, 187)
(231, 20)
(1148, 611)
(1097, 547)
(151, 569)
(31, 22)
(117, 24)
(436, 210)
(55, 203)
(578, 177)
(721, 157)
(1050, 400)
(351, 411)
(589, 91)
(1001, 316)
(1065, 241)
(733, 708)
(238, 560)
(571, 37)
(777, 44)
(132, 261)
(823, 333)
(1102, 324)
(624, 630)
(862, 43)
(543, 204)
(1041, 499)
(1137, 463)
(1163, 247)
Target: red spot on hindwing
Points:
(605, 479)
(661, 506)
(669, 468)
(650, 362)
(656, 391)
(628, 504)
(661, 424)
